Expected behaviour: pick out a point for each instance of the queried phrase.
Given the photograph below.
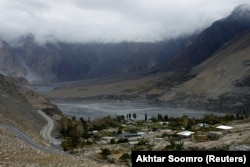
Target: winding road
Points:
(25, 138)
(46, 131)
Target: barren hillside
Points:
(223, 79)
(15, 108)
(222, 71)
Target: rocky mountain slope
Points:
(221, 83)
(18, 105)
(19, 102)
(62, 61)
(9, 64)
(15, 152)
(15, 108)
(212, 39)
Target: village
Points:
(113, 139)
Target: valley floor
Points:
(14, 152)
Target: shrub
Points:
(124, 157)
(105, 152)
(66, 145)
(174, 146)
(112, 141)
(122, 140)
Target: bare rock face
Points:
(8, 62)
(15, 108)
(37, 101)
(62, 61)
(19, 102)
(221, 83)
(213, 38)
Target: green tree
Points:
(134, 115)
(185, 121)
(129, 115)
(105, 152)
(112, 141)
(119, 131)
(173, 146)
(160, 117)
(166, 118)
(143, 142)
(120, 118)
(124, 157)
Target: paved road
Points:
(25, 138)
(46, 131)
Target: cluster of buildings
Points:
(156, 136)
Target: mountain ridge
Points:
(212, 39)
(61, 61)
(221, 83)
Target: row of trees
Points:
(154, 118)
(76, 131)
(133, 116)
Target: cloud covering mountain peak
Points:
(109, 20)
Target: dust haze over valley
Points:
(119, 58)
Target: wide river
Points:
(95, 110)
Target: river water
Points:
(95, 110)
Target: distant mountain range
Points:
(60, 61)
(212, 39)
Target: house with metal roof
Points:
(131, 135)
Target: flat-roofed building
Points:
(223, 127)
(185, 133)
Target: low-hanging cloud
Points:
(109, 20)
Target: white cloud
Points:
(109, 20)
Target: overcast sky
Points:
(109, 20)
